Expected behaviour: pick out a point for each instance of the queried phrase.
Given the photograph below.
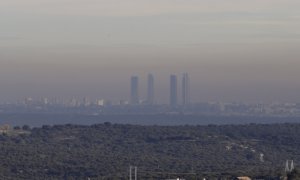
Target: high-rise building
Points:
(134, 90)
(185, 89)
(150, 89)
(173, 90)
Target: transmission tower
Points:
(132, 168)
(289, 166)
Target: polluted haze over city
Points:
(233, 50)
(149, 89)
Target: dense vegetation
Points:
(106, 151)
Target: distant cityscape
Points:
(135, 105)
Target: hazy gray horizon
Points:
(233, 50)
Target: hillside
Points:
(105, 151)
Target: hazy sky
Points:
(234, 50)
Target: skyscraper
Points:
(185, 89)
(150, 89)
(134, 90)
(173, 91)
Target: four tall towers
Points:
(134, 100)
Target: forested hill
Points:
(106, 151)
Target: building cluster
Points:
(173, 102)
(101, 106)
(135, 105)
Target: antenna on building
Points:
(289, 166)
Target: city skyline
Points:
(144, 90)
